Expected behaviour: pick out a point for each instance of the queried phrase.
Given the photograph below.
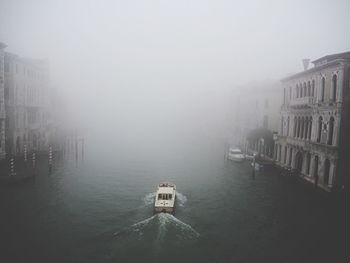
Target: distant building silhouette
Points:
(27, 104)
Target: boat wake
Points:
(181, 199)
(159, 228)
(149, 199)
(159, 236)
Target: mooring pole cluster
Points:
(12, 166)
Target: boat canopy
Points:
(166, 184)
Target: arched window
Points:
(306, 127)
(334, 87)
(298, 127)
(288, 126)
(308, 89)
(313, 88)
(305, 90)
(310, 128)
(320, 120)
(327, 166)
(323, 87)
(297, 91)
(330, 131)
(302, 128)
(295, 127)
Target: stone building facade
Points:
(2, 101)
(313, 136)
(27, 104)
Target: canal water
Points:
(101, 210)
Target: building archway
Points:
(290, 157)
(316, 170)
(308, 163)
(298, 162)
(327, 166)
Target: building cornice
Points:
(315, 69)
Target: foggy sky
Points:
(134, 64)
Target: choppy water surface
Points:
(102, 211)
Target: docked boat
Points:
(249, 157)
(235, 154)
(165, 198)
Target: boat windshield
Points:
(166, 185)
(165, 196)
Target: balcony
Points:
(298, 142)
(302, 102)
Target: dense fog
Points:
(159, 73)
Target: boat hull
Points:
(235, 158)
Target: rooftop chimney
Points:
(306, 62)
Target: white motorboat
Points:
(165, 198)
(235, 154)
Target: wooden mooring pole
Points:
(33, 161)
(50, 159)
(25, 155)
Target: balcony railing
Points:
(302, 102)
